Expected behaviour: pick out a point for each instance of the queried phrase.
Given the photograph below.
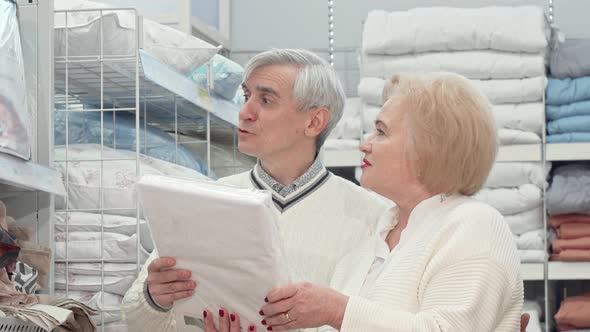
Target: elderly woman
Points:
(439, 260)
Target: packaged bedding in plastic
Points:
(14, 113)
(182, 52)
(227, 76)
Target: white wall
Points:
(572, 17)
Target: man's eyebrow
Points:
(267, 89)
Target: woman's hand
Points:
(228, 322)
(303, 305)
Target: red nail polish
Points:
(263, 322)
(251, 328)
(261, 312)
(269, 328)
(204, 314)
(266, 299)
(221, 313)
(232, 317)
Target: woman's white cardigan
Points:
(458, 270)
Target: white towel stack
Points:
(501, 49)
(516, 190)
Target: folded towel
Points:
(582, 243)
(512, 174)
(512, 200)
(571, 255)
(532, 256)
(513, 137)
(569, 58)
(557, 220)
(471, 64)
(573, 231)
(567, 91)
(527, 221)
(525, 117)
(567, 125)
(510, 91)
(532, 240)
(574, 311)
(512, 29)
(568, 138)
(555, 112)
(569, 190)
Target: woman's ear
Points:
(318, 121)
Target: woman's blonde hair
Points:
(453, 140)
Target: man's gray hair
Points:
(316, 83)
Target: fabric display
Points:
(508, 68)
(107, 304)
(535, 312)
(15, 117)
(572, 242)
(516, 190)
(574, 313)
(227, 76)
(568, 109)
(347, 133)
(118, 177)
(568, 192)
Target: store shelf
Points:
(567, 151)
(532, 271)
(342, 158)
(525, 152)
(569, 271)
(27, 175)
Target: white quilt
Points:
(178, 50)
(512, 29)
(525, 221)
(91, 222)
(118, 177)
(513, 137)
(94, 269)
(532, 256)
(110, 309)
(510, 91)
(514, 174)
(114, 285)
(512, 200)
(349, 126)
(531, 240)
(87, 245)
(526, 117)
(480, 65)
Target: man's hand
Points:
(167, 285)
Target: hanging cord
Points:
(331, 30)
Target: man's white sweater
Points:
(322, 218)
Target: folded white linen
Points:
(525, 117)
(108, 304)
(481, 65)
(527, 221)
(510, 91)
(115, 285)
(342, 144)
(512, 29)
(531, 240)
(87, 245)
(95, 269)
(91, 222)
(347, 128)
(514, 137)
(512, 200)
(513, 174)
(532, 256)
(235, 241)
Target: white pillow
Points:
(115, 285)
(87, 245)
(118, 177)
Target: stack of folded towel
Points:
(568, 203)
(574, 314)
(504, 58)
(516, 190)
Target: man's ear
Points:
(318, 121)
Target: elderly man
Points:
(293, 100)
